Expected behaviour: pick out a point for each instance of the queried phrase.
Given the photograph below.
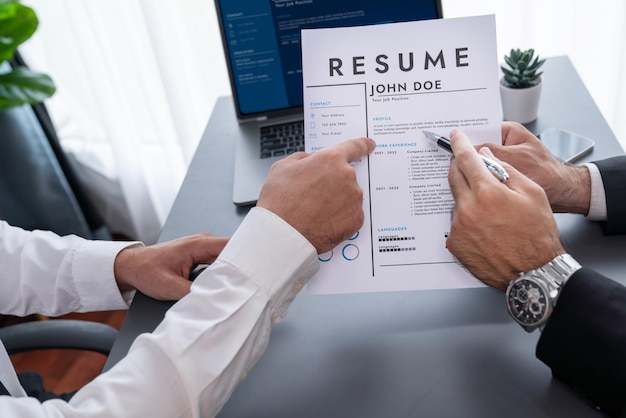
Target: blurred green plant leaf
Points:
(22, 86)
(17, 24)
(19, 85)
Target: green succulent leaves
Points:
(19, 85)
(522, 69)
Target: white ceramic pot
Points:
(520, 105)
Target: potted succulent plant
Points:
(520, 86)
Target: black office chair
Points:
(58, 333)
(39, 185)
(54, 334)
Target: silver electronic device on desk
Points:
(261, 40)
(565, 145)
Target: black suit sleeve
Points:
(584, 342)
(613, 172)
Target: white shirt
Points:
(43, 273)
(597, 206)
(207, 342)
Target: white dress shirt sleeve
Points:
(207, 342)
(597, 206)
(51, 275)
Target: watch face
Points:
(528, 302)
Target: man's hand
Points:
(162, 271)
(568, 187)
(499, 229)
(318, 194)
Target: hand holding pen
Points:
(513, 217)
(493, 166)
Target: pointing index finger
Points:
(353, 149)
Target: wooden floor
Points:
(68, 370)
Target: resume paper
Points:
(389, 82)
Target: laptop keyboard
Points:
(283, 139)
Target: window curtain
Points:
(137, 80)
(131, 102)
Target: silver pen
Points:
(493, 166)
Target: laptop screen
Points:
(262, 43)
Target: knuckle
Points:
(359, 194)
(537, 192)
(465, 215)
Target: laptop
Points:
(261, 40)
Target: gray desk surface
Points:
(446, 353)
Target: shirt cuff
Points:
(597, 206)
(93, 272)
(274, 255)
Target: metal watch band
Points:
(558, 270)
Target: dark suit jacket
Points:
(584, 342)
(613, 171)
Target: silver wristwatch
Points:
(532, 296)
